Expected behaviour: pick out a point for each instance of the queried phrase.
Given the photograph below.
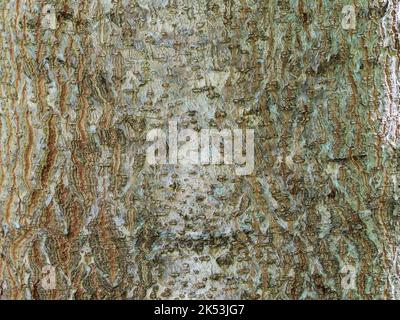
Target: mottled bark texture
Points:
(82, 82)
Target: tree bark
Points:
(82, 82)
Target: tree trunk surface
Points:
(82, 82)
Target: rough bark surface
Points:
(82, 82)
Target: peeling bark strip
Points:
(84, 216)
